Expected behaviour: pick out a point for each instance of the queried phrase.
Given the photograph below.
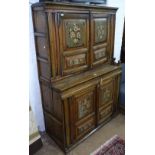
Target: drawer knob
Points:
(62, 14)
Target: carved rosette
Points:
(75, 33)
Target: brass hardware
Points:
(62, 14)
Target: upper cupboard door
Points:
(100, 28)
(74, 39)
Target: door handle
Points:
(62, 14)
(59, 17)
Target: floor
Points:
(115, 126)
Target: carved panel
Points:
(100, 53)
(105, 112)
(100, 30)
(76, 60)
(106, 94)
(85, 104)
(74, 32)
(83, 128)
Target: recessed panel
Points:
(75, 32)
(76, 60)
(106, 94)
(105, 114)
(40, 24)
(101, 53)
(100, 30)
(42, 49)
(85, 105)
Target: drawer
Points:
(104, 114)
(83, 128)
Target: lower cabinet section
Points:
(71, 114)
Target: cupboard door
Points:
(82, 113)
(105, 99)
(100, 41)
(74, 39)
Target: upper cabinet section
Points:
(74, 41)
(72, 38)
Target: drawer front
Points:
(104, 114)
(84, 128)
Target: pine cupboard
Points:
(79, 79)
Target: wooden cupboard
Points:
(79, 79)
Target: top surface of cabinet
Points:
(81, 78)
(68, 4)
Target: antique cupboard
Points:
(78, 77)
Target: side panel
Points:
(53, 113)
(40, 25)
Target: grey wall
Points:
(34, 89)
(119, 25)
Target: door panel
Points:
(74, 39)
(106, 93)
(105, 99)
(100, 28)
(82, 112)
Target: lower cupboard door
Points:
(82, 113)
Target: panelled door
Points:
(82, 113)
(105, 99)
(74, 41)
(100, 39)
